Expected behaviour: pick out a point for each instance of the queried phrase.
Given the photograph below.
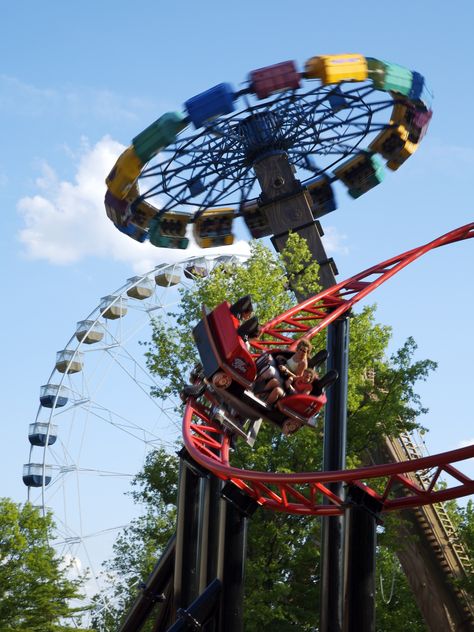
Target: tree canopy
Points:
(35, 591)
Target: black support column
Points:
(200, 612)
(335, 426)
(157, 588)
(212, 556)
(239, 507)
(186, 570)
(362, 513)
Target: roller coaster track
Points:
(395, 485)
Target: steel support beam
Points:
(186, 570)
(152, 592)
(238, 508)
(334, 458)
(200, 611)
(362, 515)
(290, 209)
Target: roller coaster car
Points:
(230, 372)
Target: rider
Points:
(293, 368)
(301, 384)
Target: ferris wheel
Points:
(97, 419)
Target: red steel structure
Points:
(307, 493)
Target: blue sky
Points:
(79, 80)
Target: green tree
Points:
(282, 581)
(465, 525)
(462, 518)
(35, 591)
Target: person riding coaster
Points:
(230, 373)
(278, 372)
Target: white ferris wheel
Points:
(97, 420)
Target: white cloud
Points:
(18, 97)
(65, 222)
(334, 241)
(466, 442)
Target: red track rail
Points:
(314, 314)
(308, 492)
